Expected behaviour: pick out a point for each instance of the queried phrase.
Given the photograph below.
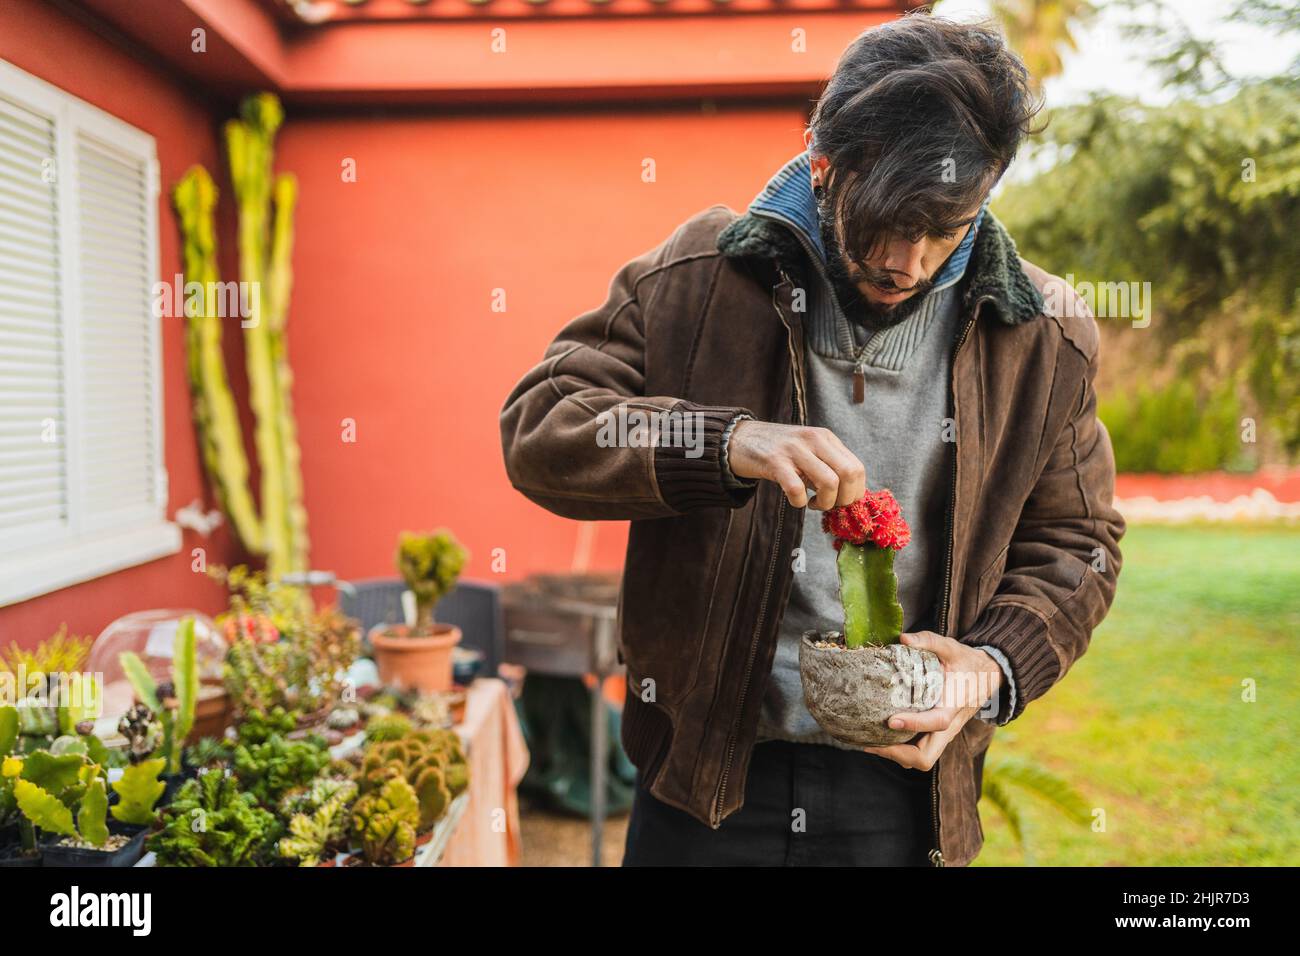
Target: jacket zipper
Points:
(720, 796)
(936, 855)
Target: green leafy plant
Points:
(208, 752)
(1006, 777)
(172, 703)
(138, 791)
(211, 822)
(319, 820)
(52, 693)
(260, 726)
(8, 729)
(301, 668)
(384, 823)
(430, 564)
(270, 769)
(48, 789)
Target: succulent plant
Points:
(138, 791)
(384, 823)
(60, 790)
(211, 822)
(266, 205)
(430, 564)
(432, 762)
(141, 731)
(866, 535)
(388, 727)
(172, 702)
(270, 769)
(319, 820)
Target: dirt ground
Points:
(551, 839)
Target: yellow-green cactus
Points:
(384, 822)
(266, 204)
(426, 761)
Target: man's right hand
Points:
(797, 457)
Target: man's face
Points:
(894, 280)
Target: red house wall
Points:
(391, 323)
(62, 50)
(391, 318)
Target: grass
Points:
(1151, 726)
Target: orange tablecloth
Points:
(488, 834)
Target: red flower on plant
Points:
(255, 627)
(874, 518)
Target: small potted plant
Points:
(419, 657)
(854, 681)
(64, 794)
(163, 717)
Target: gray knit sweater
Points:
(897, 433)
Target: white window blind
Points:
(83, 487)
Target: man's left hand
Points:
(970, 678)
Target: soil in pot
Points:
(852, 693)
(124, 848)
(415, 660)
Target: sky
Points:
(1108, 62)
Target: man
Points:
(865, 322)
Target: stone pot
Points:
(852, 693)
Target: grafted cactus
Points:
(867, 533)
(266, 204)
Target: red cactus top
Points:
(875, 518)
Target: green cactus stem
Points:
(215, 415)
(869, 591)
(265, 241)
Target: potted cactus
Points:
(855, 680)
(418, 657)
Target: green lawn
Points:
(1150, 725)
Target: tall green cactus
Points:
(265, 239)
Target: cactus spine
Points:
(266, 205)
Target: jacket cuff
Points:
(1021, 636)
(1001, 713)
(728, 477)
(690, 472)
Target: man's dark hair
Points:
(908, 102)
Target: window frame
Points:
(85, 545)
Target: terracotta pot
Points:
(852, 693)
(421, 662)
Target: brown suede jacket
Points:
(705, 324)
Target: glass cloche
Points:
(151, 635)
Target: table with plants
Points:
(245, 743)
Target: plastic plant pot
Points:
(127, 855)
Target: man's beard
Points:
(857, 307)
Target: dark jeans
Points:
(857, 810)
